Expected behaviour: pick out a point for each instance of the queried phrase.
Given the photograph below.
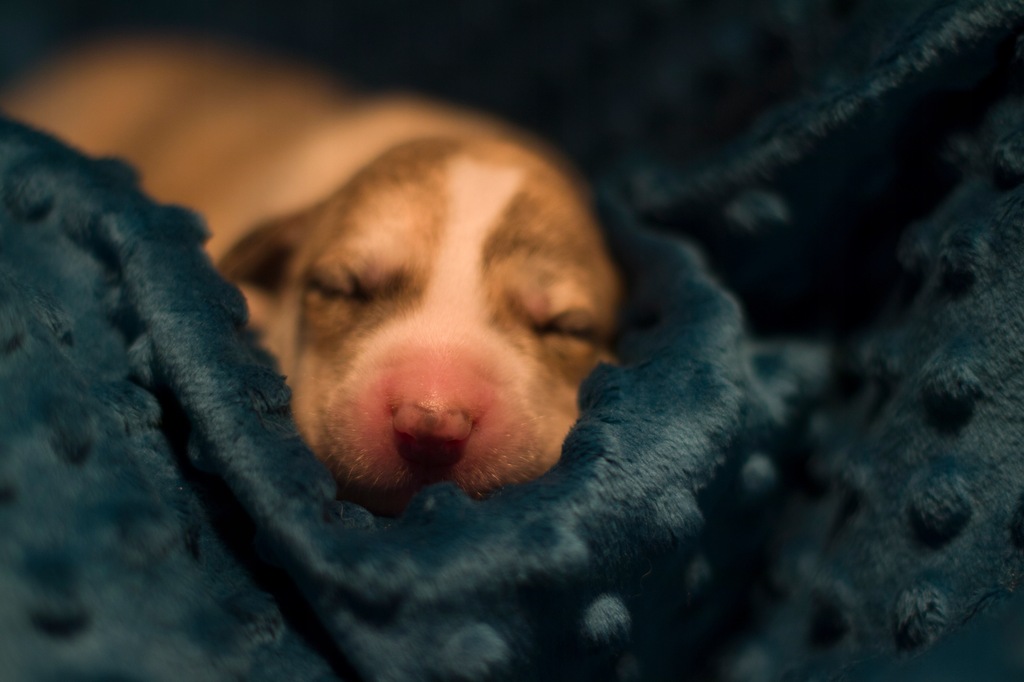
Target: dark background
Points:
(602, 78)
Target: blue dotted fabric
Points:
(894, 195)
(805, 466)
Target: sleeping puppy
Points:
(431, 281)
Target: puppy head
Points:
(435, 316)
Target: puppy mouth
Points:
(422, 462)
(419, 477)
(429, 457)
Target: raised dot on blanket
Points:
(939, 507)
(1008, 160)
(476, 651)
(55, 608)
(758, 477)
(962, 258)
(756, 211)
(920, 616)
(606, 623)
(28, 191)
(949, 388)
(72, 428)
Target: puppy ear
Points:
(258, 264)
(261, 258)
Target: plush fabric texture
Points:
(807, 465)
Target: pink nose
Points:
(431, 434)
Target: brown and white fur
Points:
(431, 281)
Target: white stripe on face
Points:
(478, 194)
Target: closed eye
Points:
(337, 283)
(576, 324)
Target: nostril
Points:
(429, 436)
(429, 424)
